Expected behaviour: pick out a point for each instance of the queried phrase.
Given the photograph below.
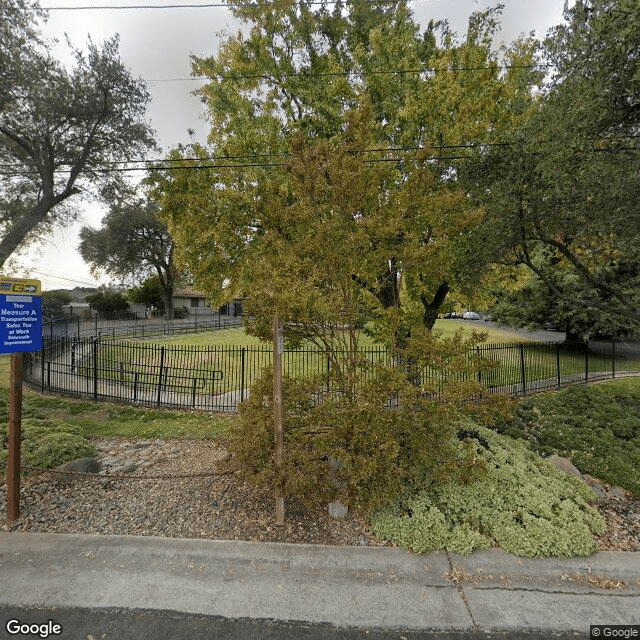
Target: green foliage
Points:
(330, 234)
(108, 302)
(384, 431)
(53, 301)
(561, 191)
(150, 293)
(59, 124)
(598, 427)
(131, 244)
(48, 443)
(522, 504)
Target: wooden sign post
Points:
(20, 331)
(278, 348)
(15, 437)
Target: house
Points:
(195, 302)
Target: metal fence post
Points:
(558, 363)
(42, 369)
(95, 369)
(613, 358)
(160, 376)
(242, 371)
(586, 362)
(524, 379)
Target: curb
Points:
(344, 586)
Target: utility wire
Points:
(439, 147)
(208, 5)
(161, 163)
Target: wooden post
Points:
(15, 437)
(278, 348)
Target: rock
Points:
(110, 462)
(598, 489)
(564, 464)
(618, 492)
(81, 465)
(337, 510)
(129, 467)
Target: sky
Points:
(155, 44)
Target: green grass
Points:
(447, 328)
(237, 337)
(104, 419)
(597, 426)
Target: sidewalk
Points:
(344, 586)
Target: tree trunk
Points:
(431, 308)
(573, 337)
(27, 221)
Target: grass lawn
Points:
(105, 419)
(236, 337)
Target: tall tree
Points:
(131, 243)
(565, 186)
(59, 129)
(300, 73)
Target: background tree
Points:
(264, 94)
(150, 293)
(131, 243)
(564, 186)
(58, 129)
(107, 302)
(53, 301)
(534, 305)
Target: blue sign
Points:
(20, 323)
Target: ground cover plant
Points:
(597, 426)
(105, 419)
(47, 443)
(522, 504)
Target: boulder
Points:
(337, 510)
(81, 465)
(565, 464)
(618, 492)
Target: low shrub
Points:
(47, 443)
(379, 450)
(522, 504)
(598, 427)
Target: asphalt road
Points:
(139, 624)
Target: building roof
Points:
(188, 292)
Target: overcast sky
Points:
(156, 43)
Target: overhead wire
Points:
(207, 5)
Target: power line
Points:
(56, 277)
(329, 74)
(160, 164)
(208, 5)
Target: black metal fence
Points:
(74, 326)
(217, 378)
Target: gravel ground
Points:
(215, 507)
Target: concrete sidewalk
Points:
(344, 586)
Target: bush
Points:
(523, 504)
(47, 443)
(380, 451)
(598, 427)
